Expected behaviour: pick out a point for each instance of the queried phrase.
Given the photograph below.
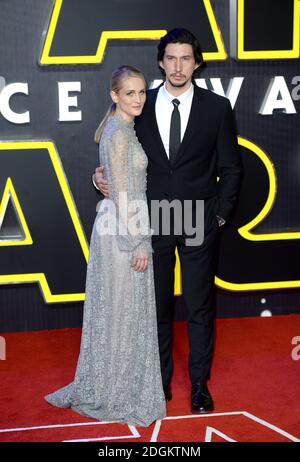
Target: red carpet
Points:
(255, 384)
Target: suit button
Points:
(171, 172)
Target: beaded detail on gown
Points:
(118, 374)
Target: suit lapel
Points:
(153, 127)
(193, 124)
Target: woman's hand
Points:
(100, 181)
(140, 261)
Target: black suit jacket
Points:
(208, 150)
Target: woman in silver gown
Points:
(118, 372)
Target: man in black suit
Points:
(189, 136)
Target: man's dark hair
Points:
(180, 35)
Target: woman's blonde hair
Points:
(117, 77)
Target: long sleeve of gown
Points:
(133, 233)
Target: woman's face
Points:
(131, 97)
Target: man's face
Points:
(179, 64)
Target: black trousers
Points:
(198, 267)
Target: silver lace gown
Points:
(118, 371)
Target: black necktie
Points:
(175, 138)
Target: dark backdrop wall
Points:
(47, 153)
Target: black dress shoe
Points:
(201, 399)
(168, 393)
